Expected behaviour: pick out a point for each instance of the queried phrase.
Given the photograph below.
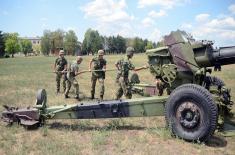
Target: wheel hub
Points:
(188, 115)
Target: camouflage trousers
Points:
(93, 84)
(72, 81)
(58, 79)
(123, 87)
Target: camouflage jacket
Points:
(98, 64)
(124, 65)
(60, 64)
(72, 69)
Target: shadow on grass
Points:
(216, 141)
(87, 127)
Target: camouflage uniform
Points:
(60, 64)
(98, 64)
(122, 78)
(71, 80)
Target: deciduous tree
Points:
(92, 42)
(12, 44)
(46, 42)
(26, 46)
(71, 42)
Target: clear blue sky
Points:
(205, 19)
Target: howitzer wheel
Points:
(41, 97)
(214, 81)
(191, 113)
(134, 79)
(217, 81)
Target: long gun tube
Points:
(224, 56)
(215, 57)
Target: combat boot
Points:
(92, 96)
(77, 97)
(66, 96)
(101, 97)
(57, 91)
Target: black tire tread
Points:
(216, 81)
(207, 96)
(41, 96)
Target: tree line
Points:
(10, 43)
(53, 41)
(93, 41)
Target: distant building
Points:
(34, 40)
(36, 45)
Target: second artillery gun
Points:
(196, 104)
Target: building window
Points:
(34, 42)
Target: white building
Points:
(36, 44)
(34, 40)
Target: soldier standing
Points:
(71, 80)
(60, 67)
(99, 63)
(123, 66)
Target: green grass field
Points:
(20, 78)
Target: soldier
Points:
(99, 63)
(60, 67)
(123, 66)
(71, 74)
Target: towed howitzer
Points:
(181, 59)
(196, 104)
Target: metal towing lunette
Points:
(195, 106)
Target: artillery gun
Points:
(196, 104)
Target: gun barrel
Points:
(224, 56)
(206, 56)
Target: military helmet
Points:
(61, 52)
(130, 50)
(101, 52)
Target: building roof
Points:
(31, 38)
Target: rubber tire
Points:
(41, 97)
(215, 81)
(134, 78)
(208, 116)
